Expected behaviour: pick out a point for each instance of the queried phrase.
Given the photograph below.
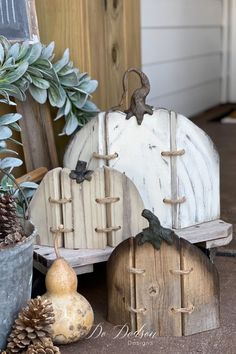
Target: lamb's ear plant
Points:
(30, 67)
(9, 123)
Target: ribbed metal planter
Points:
(16, 267)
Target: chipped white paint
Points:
(194, 175)
(197, 175)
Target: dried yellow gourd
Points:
(73, 313)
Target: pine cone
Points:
(43, 347)
(11, 230)
(34, 323)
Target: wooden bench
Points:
(208, 235)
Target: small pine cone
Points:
(11, 230)
(34, 322)
(44, 346)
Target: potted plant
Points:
(30, 67)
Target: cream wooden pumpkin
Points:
(172, 162)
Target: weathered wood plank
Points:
(121, 296)
(200, 290)
(88, 215)
(157, 290)
(66, 208)
(33, 176)
(197, 175)
(206, 232)
(75, 257)
(46, 215)
(78, 270)
(81, 257)
(193, 175)
(139, 149)
(126, 212)
(37, 135)
(90, 140)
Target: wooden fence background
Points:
(104, 40)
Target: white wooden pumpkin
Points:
(172, 162)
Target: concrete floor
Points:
(221, 340)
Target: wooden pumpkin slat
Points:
(157, 290)
(139, 149)
(197, 175)
(67, 211)
(167, 157)
(44, 212)
(121, 285)
(87, 213)
(200, 289)
(92, 140)
(126, 212)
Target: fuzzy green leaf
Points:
(14, 51)
(89, 107)
(69, 80)
(79, 100)
(2, 54)
(56, 96)
(71, 124)
(47, 52)
(23, 50)
(10, 162)
(35, 52)
(15, 75)
(89, 86)
(40, 95)
(15, 126)
(40, 83)
(60, 113)
(9, 118)
(67, 107)
(35, 71)
(62, 62)
(5, 133)
(5, 43)
(43, 63)
(13, 90)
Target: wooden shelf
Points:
(211, 234)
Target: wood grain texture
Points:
(33, 176)
(120, 292)
(90, 140)
(45, 215)
(200, 288)
(158, 291)
(197, 175)
(139, 149)
(46, 255)
(110, 31)
(87, 214)
(212, 231)
(37, 135)
(127, 211)
(67, 208)
(194, 175)
(175, 290)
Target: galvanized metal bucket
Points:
(16, 269)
